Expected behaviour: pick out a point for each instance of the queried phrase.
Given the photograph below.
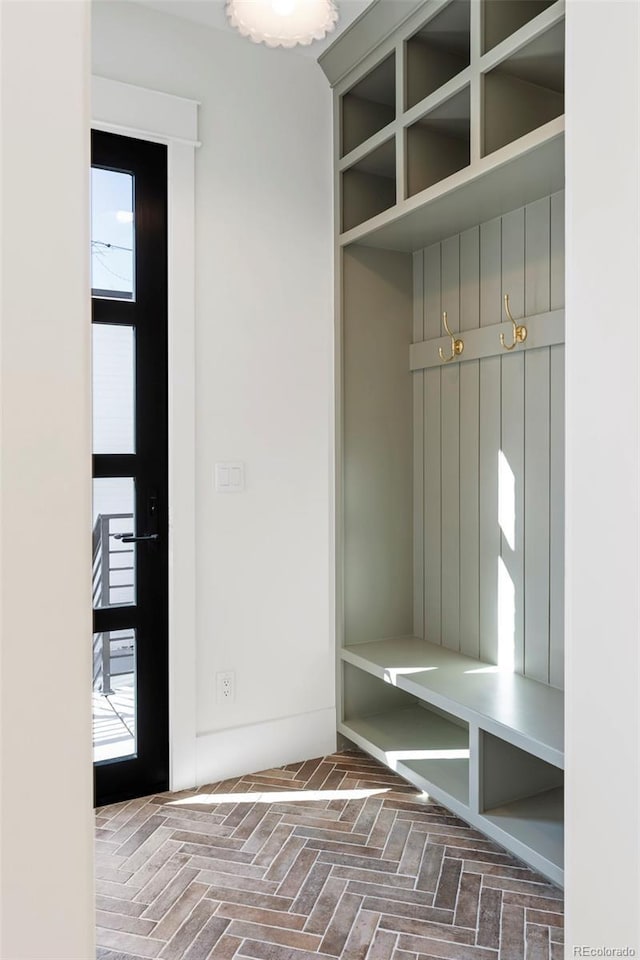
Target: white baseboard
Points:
(259, 746)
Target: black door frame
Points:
(148, 771)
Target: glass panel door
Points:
(130, 530)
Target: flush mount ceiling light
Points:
(283, 23)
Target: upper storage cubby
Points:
(369, 186)
(525, 91)
(501, 18)
(437, 52)
(368, 106)
(456, 117)
(438, 144)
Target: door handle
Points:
(130, 538)
(152, 517)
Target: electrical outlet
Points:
(226, 686)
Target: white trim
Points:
(139, 134)
(261, 746)
(147, 114)
(182, 467)
(151, 115)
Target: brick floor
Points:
(332, 858)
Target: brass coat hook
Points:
(519, 330)
(457, 345)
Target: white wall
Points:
(603, 475)
(247, 336)
(263, 371)
(46, 822)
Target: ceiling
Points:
(211, 13)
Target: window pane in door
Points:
(112, 234)
(114, 560)
(113, 388)
(114, 694)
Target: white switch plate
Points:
(230, 476)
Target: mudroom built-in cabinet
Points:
(449, 213)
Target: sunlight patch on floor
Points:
(277, 796)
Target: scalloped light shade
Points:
(283, 23)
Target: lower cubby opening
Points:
(427, 746)
(522, 798)
(369, 186)
(537, 822)
(524, 91)
(438, 144)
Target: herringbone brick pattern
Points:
(332, 858)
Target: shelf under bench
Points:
(485, 743)
(405, 738)
(536, 823)
(528, 714)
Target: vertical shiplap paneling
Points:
(556, 525)
(432, 454)
(511, 471)
(450, 442)
(469, 450)
(489, 440)
(418, 451)
(536, 449)
(476, 413)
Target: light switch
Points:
(230, 476)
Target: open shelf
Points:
(426, 746)
(519, 793)
(438, 144)
(369, 186)
(536, 822)
(526, 713)
(368, 106)
(525, 91)
(512, 177)
(501, 18)
(450, 774)
(522, 799)
(437, 52)
(407, 737)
